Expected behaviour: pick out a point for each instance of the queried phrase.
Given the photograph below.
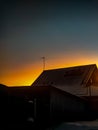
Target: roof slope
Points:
(3, 87)
(72, 79)
(45, 90)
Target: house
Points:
(81, 81)
(56, 95)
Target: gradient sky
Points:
(66, 33)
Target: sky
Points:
(64, 32)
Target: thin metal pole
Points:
(43, 58)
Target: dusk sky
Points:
(66, 33)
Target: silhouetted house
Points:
(81, 81)
(56, 95)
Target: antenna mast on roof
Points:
(44, 60)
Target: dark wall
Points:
(48, 105)
(67, 107)
(93, 105)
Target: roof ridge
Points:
(70, 67)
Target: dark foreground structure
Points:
(44, 105)
(81, 81)
(65, 94)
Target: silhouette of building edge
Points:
(64, 94)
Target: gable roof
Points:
(71, 79)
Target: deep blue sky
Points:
(55, 29)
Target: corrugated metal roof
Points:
(72, 79)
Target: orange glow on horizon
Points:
(26, 75)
